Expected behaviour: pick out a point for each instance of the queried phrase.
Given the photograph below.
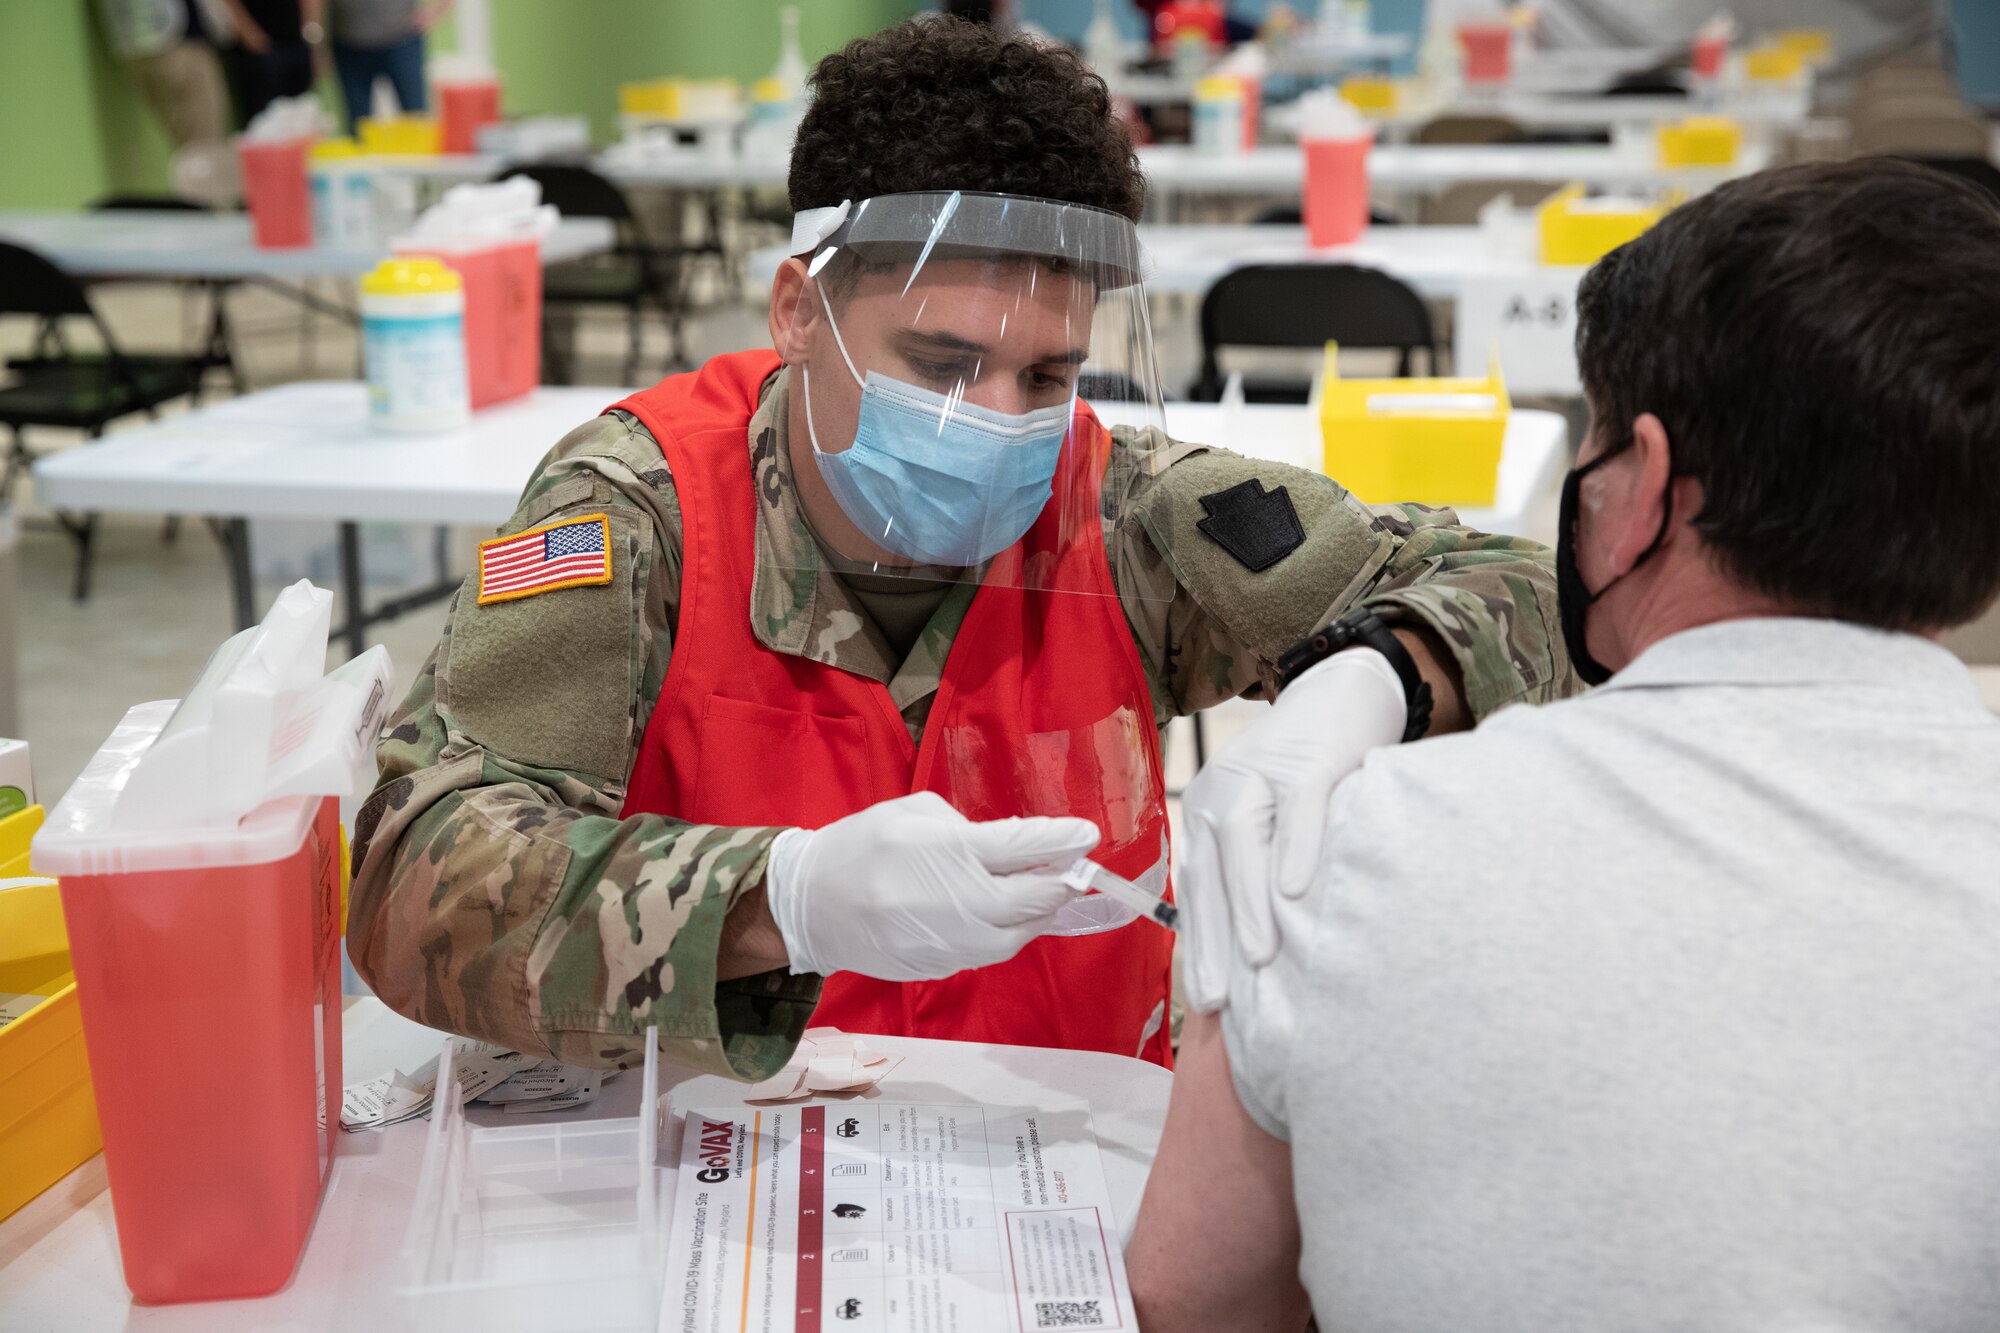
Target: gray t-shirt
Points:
(1687, 1016)
(371, 23)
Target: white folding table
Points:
(144, 243)
(1587, 68)
(1777, 108)
(304, 451)
(1436, 261)
(59, 1255)
(1179, 169)
(217, 248)
(1757, 110)
(693, 169)
(1328, 51)
(1427, 168)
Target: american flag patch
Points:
(569, 554)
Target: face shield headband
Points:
(919, 227)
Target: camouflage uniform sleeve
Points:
(1210, 628)
(1490, 599)
(497, 892)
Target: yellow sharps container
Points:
(1432, 440)
(1700, 141)
(1576, 229)
(48, 1114)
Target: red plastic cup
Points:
(1489, 51)
(1708, 55)
(1336, 191)
(463, 107)
(503, 318)
(278, 193)
(211, 1012)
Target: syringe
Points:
(1086, 875)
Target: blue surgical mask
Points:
(935, 479)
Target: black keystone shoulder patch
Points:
(1258, 527)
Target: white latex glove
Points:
(911, 890)
(1254, 815)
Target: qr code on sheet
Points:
(1068, 1314)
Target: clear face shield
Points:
(964, 355)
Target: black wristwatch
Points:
(1360, 628)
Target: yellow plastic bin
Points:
(681, 99)
(1432, 440)
(16, 832)
(1772, 64)
(655, 97)
(1700, 141)
(1813, 46)
(1579, 230)
(1368, 94)
(405, 136)
(48, 1116)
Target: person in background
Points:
(880, 625)
(280, 49)
(381, 39)
(168, 46)
(1686, 1016)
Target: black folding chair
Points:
(147, 203)
(1657, 82)
(1308, 305)
(59, 385)
(1292, 215)
(633, 275)
(1472, 129)
(218, 348)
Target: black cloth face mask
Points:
(1573, 599)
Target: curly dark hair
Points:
(942, 104)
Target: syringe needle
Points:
(1086, 875)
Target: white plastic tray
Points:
(555, 1225)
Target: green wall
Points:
(571, 56)
(72, 129)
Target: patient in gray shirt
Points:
(1688, 1017)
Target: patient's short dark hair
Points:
(1822, 343)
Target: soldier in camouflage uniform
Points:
(498, 892)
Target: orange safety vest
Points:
(1042, 710)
